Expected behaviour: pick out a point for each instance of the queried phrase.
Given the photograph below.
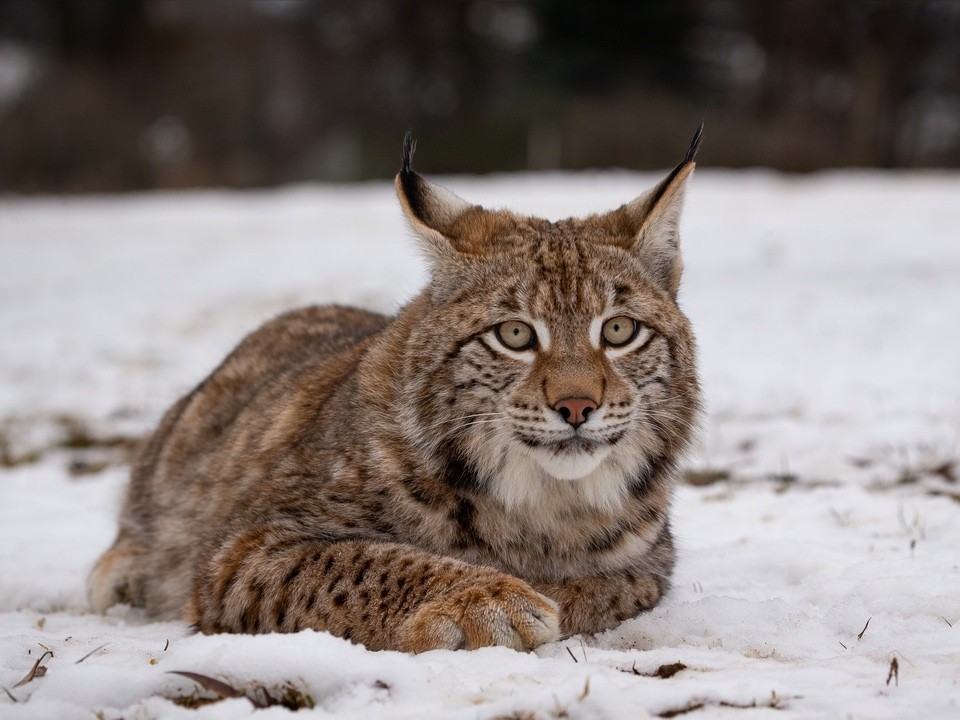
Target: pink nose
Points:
(575, 410)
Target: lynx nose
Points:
(575, 410)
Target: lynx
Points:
(492, 466)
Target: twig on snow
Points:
(663, 672)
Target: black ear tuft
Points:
(694, 145)
(411, 183)
(659, 190)
(409, 148)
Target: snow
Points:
(825, 308)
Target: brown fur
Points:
(406, 482)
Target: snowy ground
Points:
(825, 491)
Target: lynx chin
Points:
(491, 466)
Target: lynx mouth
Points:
(574, 446)
(571, 458)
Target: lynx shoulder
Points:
(492, 466)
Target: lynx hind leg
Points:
(117, 575)
(500, 610)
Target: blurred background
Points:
(114, 95)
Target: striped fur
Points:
(411, 482)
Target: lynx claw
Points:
(505, 612)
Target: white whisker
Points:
(461, 418)
(474, 423)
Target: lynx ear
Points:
(431, 210)
(650, 224)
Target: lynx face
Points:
(555, 353)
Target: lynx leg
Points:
(593, 604)
(384, 595)
(116, 576)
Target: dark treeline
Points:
(135, 94)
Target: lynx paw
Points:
(505, 611)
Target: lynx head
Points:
(549, 357)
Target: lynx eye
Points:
(619, 330)
(516, 335)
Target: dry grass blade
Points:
(894, 673)
(95, 650)
(860, 635)
(36, 671)
(586, 690)
(10, 695)
(571, 654)
(208, 683)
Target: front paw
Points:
(501, 611)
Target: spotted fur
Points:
(413, 482)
